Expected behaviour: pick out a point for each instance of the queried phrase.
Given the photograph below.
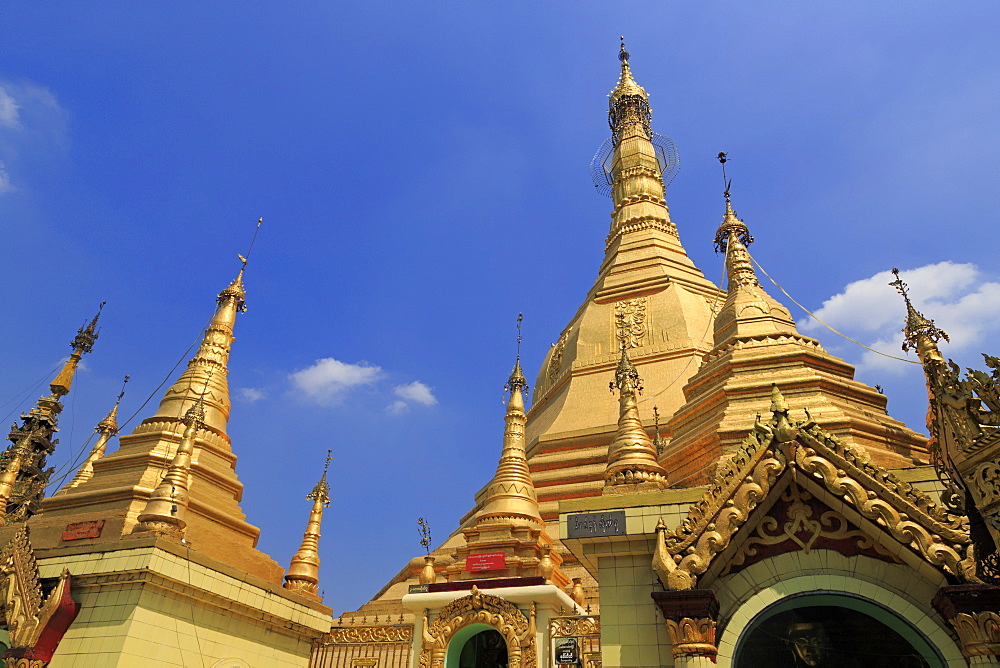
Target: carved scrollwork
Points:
(803, 523)
(562, 627)
(907, 515)
(630, 321)
(479, 608)
(353, 635)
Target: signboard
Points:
(78, 530)
(588, 525)
(567, 651)
(418, 589)
(490, 561)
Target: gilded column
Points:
(303, 572)
(691, 622)
(972, 610)
(632, 465)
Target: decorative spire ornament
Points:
(511, 493)
(24, 474)
(106, 429)
(303, 572)
(167, 506)
(632, 464)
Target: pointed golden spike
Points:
(105, 429)
(303, 572)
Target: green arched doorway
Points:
(477, 646)
(831, 629)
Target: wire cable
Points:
(820, 320)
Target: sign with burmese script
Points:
(589, 525)
(490, 561)
(79, 530)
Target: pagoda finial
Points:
(82, 343)
(24, 475)
(732, 238)
(631, 455)
(658, 441)
(511, 494)
(627, 378)
(517, 384)
(211, 361)
(920, 333)
(303, 572)
(629, 101)
(105, 429)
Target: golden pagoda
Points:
(782, 516)
(163, 562)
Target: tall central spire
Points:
(207, 372)
(637, 189)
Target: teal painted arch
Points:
(454, 651)
(848, 601)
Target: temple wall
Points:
(150, 606)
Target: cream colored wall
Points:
(898, 587)
(632, 630)
(149, 607)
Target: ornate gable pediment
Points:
(773, 456)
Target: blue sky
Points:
(422, 171)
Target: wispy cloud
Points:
(251, 394)
(956, 296)
(326, 380)
(33, 131)
(9, 109)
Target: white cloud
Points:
(416, 392)
(33, 132)
(327, 379)
(956, 296)
(5, 185)
(9, 116)
(251, 394)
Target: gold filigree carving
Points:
(357, 635)
(478, 608)
(555, 359)
(692, 637)
(905, 513)
(630, 321)
(24, 663)
(26, 614)
(804, 526)
(979, 633)
(563, 627)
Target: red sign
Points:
(491, 561)
(78, 530)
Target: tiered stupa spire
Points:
(171, 440)
(105, 429)
(303, 572)
(632, 464)
(167, 506)
(24, 477)
(509, 520)
(757, 343)
(637, 188)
